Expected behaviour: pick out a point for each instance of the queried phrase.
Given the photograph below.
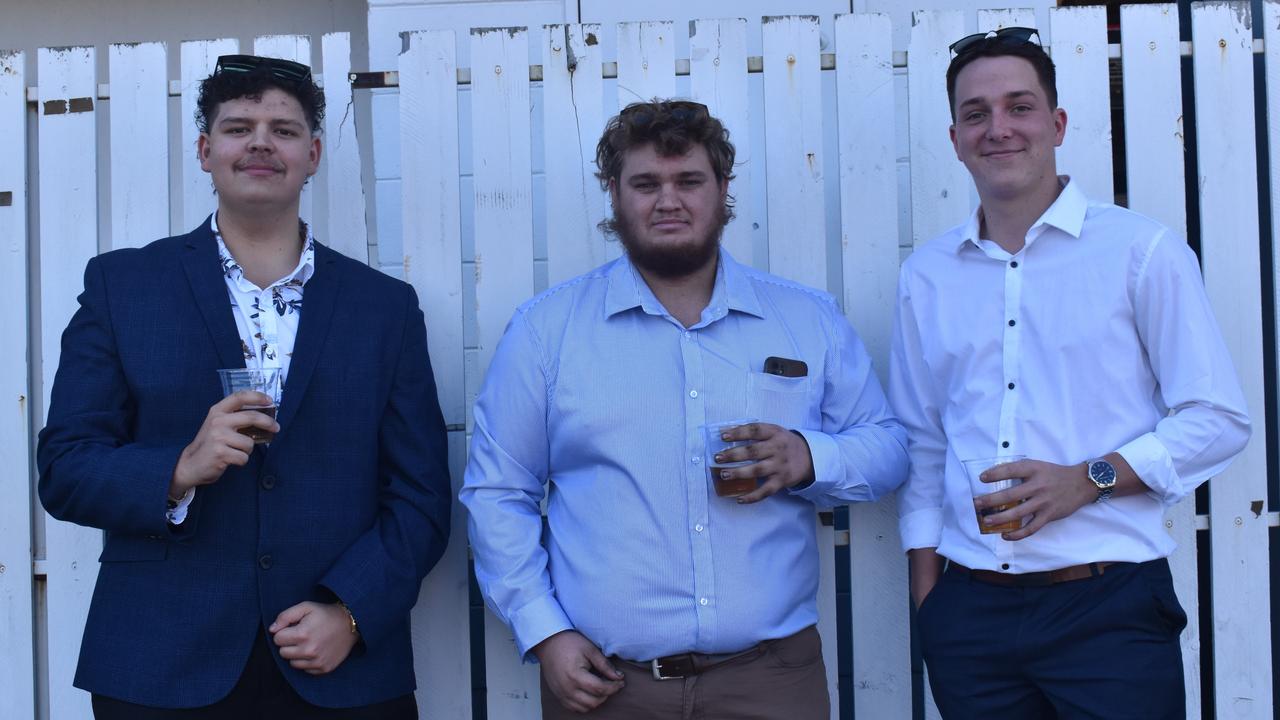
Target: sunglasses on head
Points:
(1003, 36)
(642, 114)
(282, 69)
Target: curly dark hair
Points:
(672, 127)
(223, 86)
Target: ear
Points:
(613, 191)
(1059, 126)
(951, 131)
(317, 148)
(202, 151)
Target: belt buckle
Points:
(659, 671)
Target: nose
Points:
(260, 139)
(998, 127)
(668, 199)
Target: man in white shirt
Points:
(1075, 334)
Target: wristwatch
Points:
(1103, 475)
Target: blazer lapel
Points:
(210, 290)
(319, 296)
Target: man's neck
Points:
(266, 246)
(684, 297)
(1006, 220)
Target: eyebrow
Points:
(685, 175)
(1015, 95)
(275, 122)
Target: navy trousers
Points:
(1101, 647)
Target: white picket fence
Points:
(475, 241)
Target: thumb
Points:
(600, 664)
(290, 616)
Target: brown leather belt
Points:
(672, 667)
(1033, 579)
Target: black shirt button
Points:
(268, 482)
(1004, 444)
(1012, 323)
(264, 562)
(1010, 386)
(1013, 264)
(1004, 566)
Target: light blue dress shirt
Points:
(598, 393)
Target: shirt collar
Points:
(733, 291)
(302, 272)
(1066, 214)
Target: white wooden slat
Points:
(1080, 56)
(1223, 72)
(139, 153)
(17, 673)
(827, 626)
(1155, 187)
(718, 79)
(68, 238)
(501, 155)
(346, 231)
(298, 49)
(869, 243)
(573, 118)
(646, 62)
(939, 182)
(432, 262)
(995, 19)
(793, 149)
(198, 61)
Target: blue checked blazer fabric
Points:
(351, 500)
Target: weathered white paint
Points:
(198, 61)
(67, 155)
(869, 244)
(995, 19)
(1080, 54)
(939, 182)
(139, 160)
(346, 231)
(573, 115)
(646, 62)
(718, 79)
(504, 272)
(1222, 43)
(1153, 134)
(794, 154)
(298, 49)
(432, 263)
(17, 673)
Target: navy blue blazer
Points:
(351, 500)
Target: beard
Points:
(669, 263)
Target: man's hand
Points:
(1047, 492)
(219, 443)
(780, 456)
(314, 637)
(576, 671)
(925, 567)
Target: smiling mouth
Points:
(1001, 153)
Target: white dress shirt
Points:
(1095, 337)
(266, 319)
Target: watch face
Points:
(1102, 474)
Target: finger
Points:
(601, 664)
(769, 487)
(750, 431)
(290, 616)
(291, 651)
(586, 701)
(1018, 469)
(1037, 522)
(586, 681)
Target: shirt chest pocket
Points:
(779, 400)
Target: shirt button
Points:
(697, 528)
(264, 562)
(702, 601)
(268, 482)
(1004, 566)
(1004, 444)
(696, 459)
(1011, 386)
(1012, 323)
(1013, 264)
(693, 393)
(687, 334)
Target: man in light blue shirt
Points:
(598, 392)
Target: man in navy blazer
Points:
(236, 580)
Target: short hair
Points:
(223, 86)
(999, 47)
(673, 127)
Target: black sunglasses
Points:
(282, 69)
(681, 111)
(1003, 36)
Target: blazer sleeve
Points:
(379, 575)
(92, 472)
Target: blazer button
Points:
(268, 482)
(264, 562)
